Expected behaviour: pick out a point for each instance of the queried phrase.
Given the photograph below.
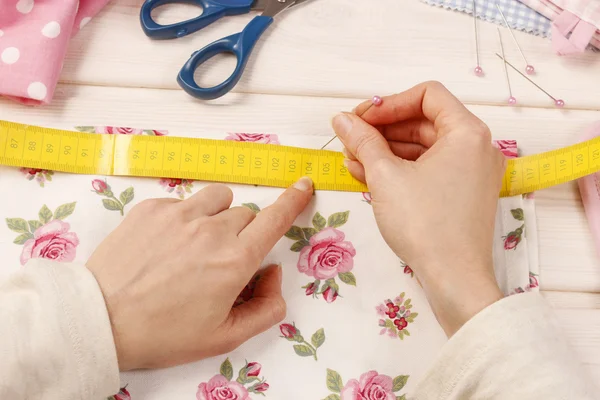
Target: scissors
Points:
(240, 44)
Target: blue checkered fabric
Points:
(518, 15)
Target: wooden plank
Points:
(338, 48)
(572, 300)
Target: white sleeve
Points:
(55, 335)
(513, 349)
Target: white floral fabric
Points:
(358, 325)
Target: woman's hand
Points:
(170, 274)
(434, 177)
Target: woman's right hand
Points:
(434, 176)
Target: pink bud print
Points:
(288, 331)
(253, 369)
(330, 295)
(99, 186)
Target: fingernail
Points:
(304, 184)
(346, 162)
(342, 123)
(346, 153)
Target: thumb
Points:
(265, 309)
(361, 139)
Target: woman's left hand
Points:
(171, 272)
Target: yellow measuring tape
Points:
(244, 162)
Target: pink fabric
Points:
(34, 35)
(589, 187)
(576, 23)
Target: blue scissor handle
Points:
(240, 44)
(212, 10)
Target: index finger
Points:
(426, 100)
(262, 234)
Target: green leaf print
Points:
(112, 205)
(251, 206)
(309, 232)
(348, 278)
(332, 396)
(45, 214)
(319, 222)
(226, 369)
(318, 338)
(299, 245)
(126, 196)
(22, 238)
(295, 233)
(303, 350)
(399, 382)
(64, 211)
(34, 224)
(334, 381)
(18, 225)
(338, 219)
(518, 214)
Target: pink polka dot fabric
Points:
(34, 35)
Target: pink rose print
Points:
(327, 255)
(533, 281)
(122, 395)
(48, 237)
(397, 316)
(41, 176)
(111, 203)
(115, 130)
(507, 147)
(533, 284)
(303, 348)
(407, 270)
(155, 132)
(181, 187)
(324, 255)
(370, 386)
(367, 197)
(264, 138)
(221, 387)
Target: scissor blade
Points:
(274, 7)
(259, 5)
(297, 2)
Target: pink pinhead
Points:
(559, 103)
(512, 100)
(478, 71)
(377, 101)
(530, 70)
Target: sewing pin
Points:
(557, 102)
(375, 101)
(529, 68)
(511, 100)
(478, 69)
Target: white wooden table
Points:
(327, 56)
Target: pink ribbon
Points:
(581, 34)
